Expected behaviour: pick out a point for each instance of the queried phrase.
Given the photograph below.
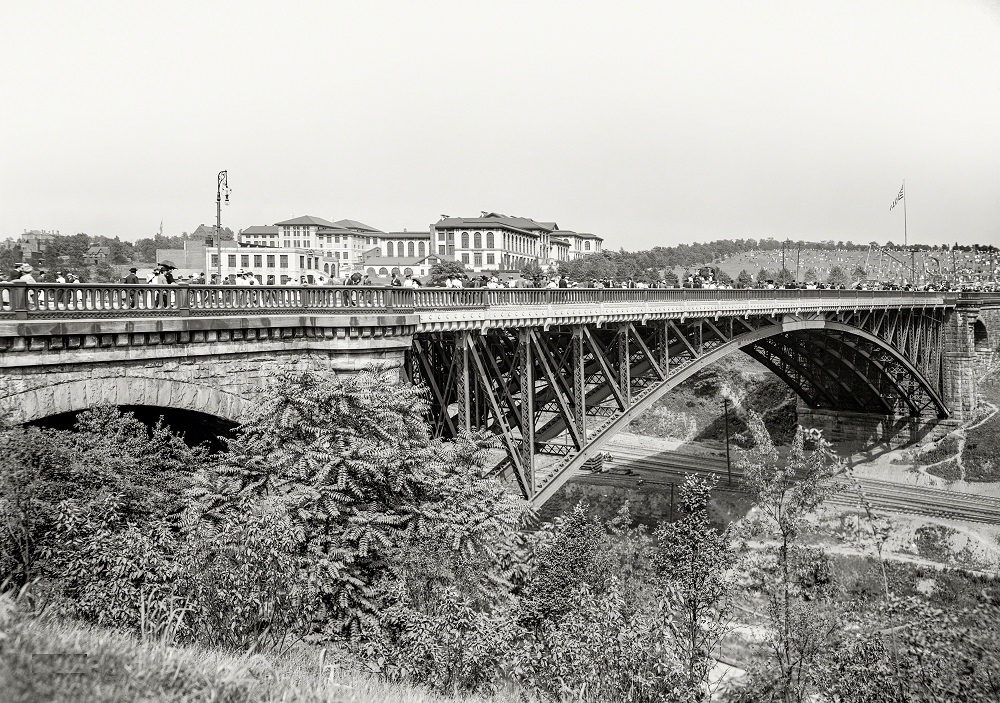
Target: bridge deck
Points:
(432, 309)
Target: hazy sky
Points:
(649, 123)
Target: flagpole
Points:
(905, 243)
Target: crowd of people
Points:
(164, 274)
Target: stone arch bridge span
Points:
(554, 372)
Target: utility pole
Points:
(221, 189)
(729, 471)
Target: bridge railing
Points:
(19, 300)
(89, 300)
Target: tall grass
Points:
(44, 659)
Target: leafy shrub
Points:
(934, 542)
(240, 584)
(982, 452)
(111, 461)
(112, 570)
(602, 650)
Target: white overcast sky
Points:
(649, 123)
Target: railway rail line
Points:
(630, 465)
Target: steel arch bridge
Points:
(557, 393)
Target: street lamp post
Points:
(221, 189)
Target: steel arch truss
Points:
(556, 394)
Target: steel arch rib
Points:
(708, 358)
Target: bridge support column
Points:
(526, 381)
(579, 382)
(960, 363)
(624, 364)
(463, 381)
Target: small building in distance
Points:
(33, 244)
(382, 267)
(96, 255)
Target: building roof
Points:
(579, 235)
(560, 242)
(307, 220)
(493, 219)
(261, 229)
(406, 235)
(355, 225)
(94, 250)
(203, 230)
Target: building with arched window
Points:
(495, 242)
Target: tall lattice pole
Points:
(222, 188)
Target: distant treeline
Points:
(68, 251)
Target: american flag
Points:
(898, 198)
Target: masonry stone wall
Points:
(217, 377)
(961, 365)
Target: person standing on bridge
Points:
(132, 280)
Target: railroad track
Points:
(630, 465)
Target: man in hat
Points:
(131, 279)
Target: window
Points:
(336, 239)
(451, 236)
(270, 261)
(232, 261)
(297, 243)
(283, 261)
(383, 271)
(302, 262)
(288, 243)
(441, 249)
(389, 249)
(465, 240)
(489, 260)
(465, 258)
(421, 249)
(586, 245)
(477, 240)
(489, 240)
(245, 260)
(477, 259)
(410, 249)
(258, 261)
(451, 250)
(215, 261)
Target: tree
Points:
(784, 493)
(351, 463)
(810, 274)
(838, 277)
(698, 562)
(859, 273)
(531, 270)
(724, 278)
(744, 279)
(784, 277)
(764, 275)
(443, 270)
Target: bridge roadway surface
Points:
(633, 460)
(426, 309)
